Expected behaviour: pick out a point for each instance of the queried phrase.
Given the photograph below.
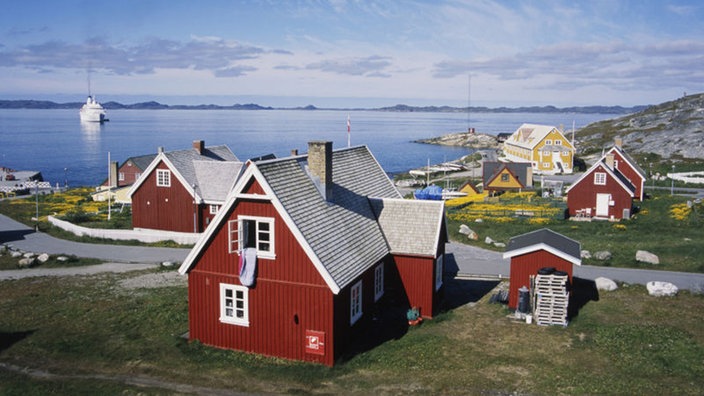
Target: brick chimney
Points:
(320, 166)
(609, 160)
(618, 141)
(199, 146)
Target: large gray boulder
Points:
(605, 284)
(26, 262)
(602, 255)
(43, 258)
(660, 289)
(647, 257)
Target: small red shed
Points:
(535, 250)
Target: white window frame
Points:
(378, 282)
(438, 271)
(548, 142)
(355, 302)
(214, 209)
(234, 306)
(163, 178)
(558, 142)
(235, 235)
(546, 152)
(600, 178)
(547, 165)
(137, 175)
(121, 176)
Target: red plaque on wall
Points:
(315, 342)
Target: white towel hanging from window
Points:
(248, 266)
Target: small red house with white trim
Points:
(535, 250)
(183, 190)
(602, 192)
(303, 252)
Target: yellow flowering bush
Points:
(465, 200)
(680, 211)
(502, 209)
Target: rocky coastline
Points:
(464, 139)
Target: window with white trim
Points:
(558, 142)
(548, 142)
(251, 231)
(355, 302)
(546, 152)
(547, 165)
(163, 178)
(600, 178)
(234, 304)
(214, 209)
(121, 176)
(438, 272)
(378, 282)
(137, 175)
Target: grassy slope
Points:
(678, 243)
(625, 342)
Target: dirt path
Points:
(133, 380)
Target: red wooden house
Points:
(324, 235)
(183, 190)
(629, 168)
(602, 192)
(535, 250)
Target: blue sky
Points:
(341, 53)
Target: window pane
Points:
(264, 226)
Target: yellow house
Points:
(543, 146)
(504, 176)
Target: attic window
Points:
(163, 178)
(504, 177)
(600, 178)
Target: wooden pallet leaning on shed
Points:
(550, 299)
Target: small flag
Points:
(348, 130)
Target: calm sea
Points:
(55, 142)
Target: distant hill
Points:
(152, 105)
(674, 128)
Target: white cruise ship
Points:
(92, 111)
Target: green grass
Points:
(676, 242)
(81, 328)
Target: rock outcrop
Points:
(667, 129)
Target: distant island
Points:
(152, 105)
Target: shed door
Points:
(602, 205)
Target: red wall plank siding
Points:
(418, 279)
(274, 309)
(523, 266)
(631, 174)
(583, 195)
(162, 208)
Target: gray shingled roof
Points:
(548, 237)
(344, 233)
(142, 162)
(410, 226)
(183, 160)
(215, 179)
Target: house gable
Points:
(504, 179)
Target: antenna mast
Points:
(469, 97)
